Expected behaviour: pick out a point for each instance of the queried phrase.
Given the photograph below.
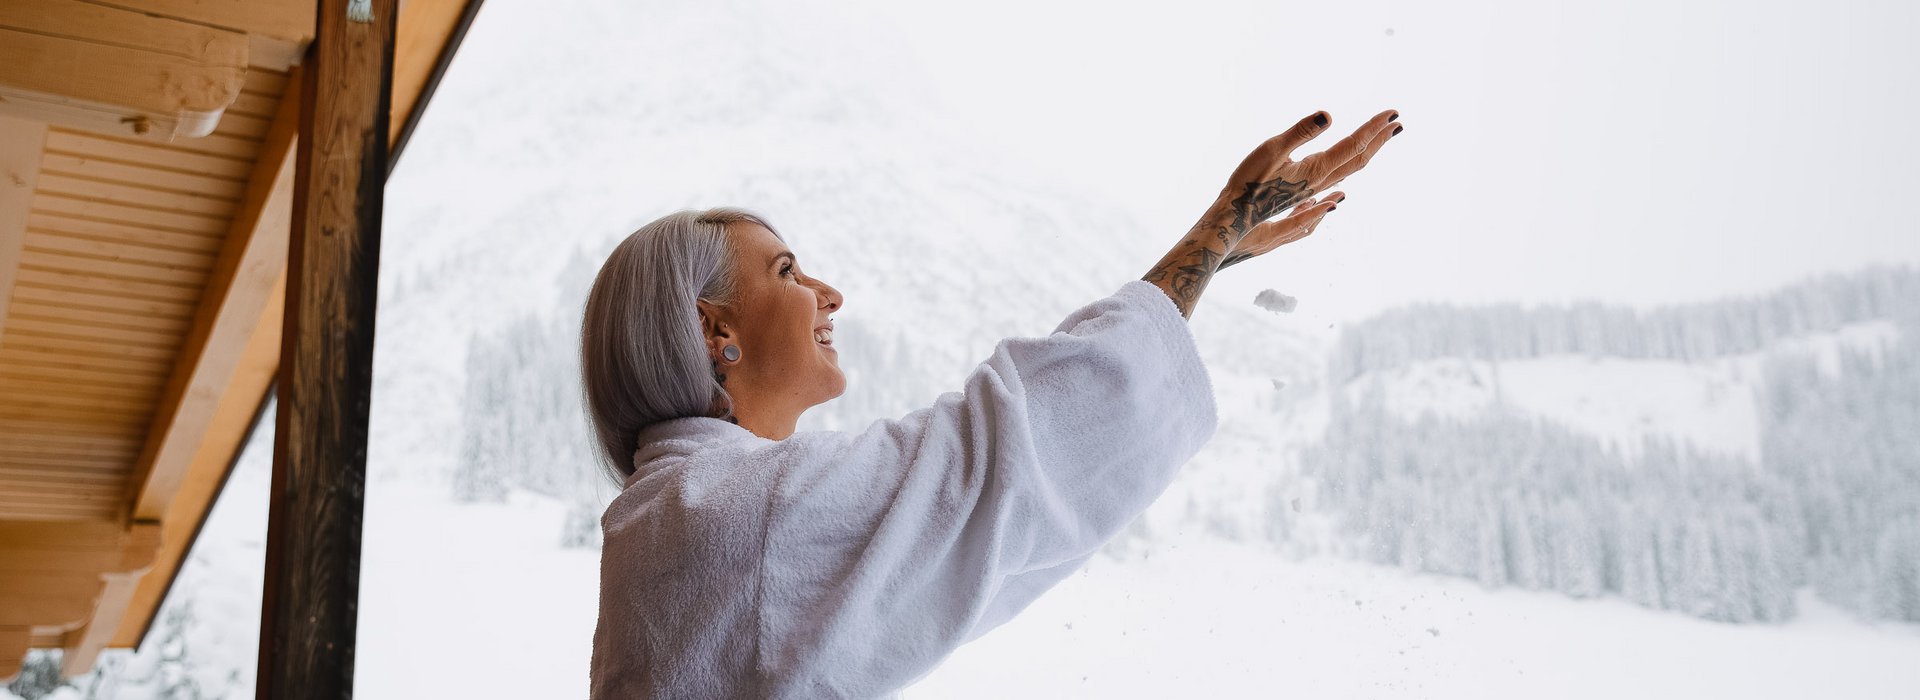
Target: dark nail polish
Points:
(1320, 119)
(1331, 208)
(1398, 129)
(1396, 115)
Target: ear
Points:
(714, 326)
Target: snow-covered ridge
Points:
(1710, 402)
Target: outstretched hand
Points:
(1273, 234)
(1235, 226)
(1269, 181)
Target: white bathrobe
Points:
(849, 564)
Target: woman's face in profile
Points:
(774, 323)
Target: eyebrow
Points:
(783, 254)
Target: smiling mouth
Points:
(823, 337)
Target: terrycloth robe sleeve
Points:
(888, 548)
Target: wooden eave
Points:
(146, 174)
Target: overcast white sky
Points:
(1631, 151)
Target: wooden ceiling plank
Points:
(126, 234)
(105, 170)
(28, 308)
(20, 145)
(171, 275)
(211, 145)
(35, 340)
(118, 250)
(134, 195)
(103, 302)
(31, 273)
(252, 262)
(69, 400)
(55, 391)
(104, 415)
(60, 493)
(42, 426)
(53, 513)
(84, 446)
(71, 330)
(128, 369)
(97, 479)
(83, 378)
(145, 153)
(144, 217)
(23, 465)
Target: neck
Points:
(770, 424)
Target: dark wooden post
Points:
(326, 358)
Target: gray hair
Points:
(643, 355)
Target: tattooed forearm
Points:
(1185, 271)
(1233, 258)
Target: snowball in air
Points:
(1275, 302)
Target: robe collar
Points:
(678, 437)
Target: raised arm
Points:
(1235, 227)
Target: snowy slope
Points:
(539, 153)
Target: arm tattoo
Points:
(1185, 271)
(1184, 276)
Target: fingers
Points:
(1311, 202)
(1364, 140)
(1277, 149)
(1359, 161)
(1297, 225)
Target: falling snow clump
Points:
(1275, 302)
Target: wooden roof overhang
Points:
(146, 186)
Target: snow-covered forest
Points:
(1511, 498)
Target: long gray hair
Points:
(643, 355)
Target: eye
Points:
(786, 269)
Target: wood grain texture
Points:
(21, 142)
(311, 591)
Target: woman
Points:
(744, 559)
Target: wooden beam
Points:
(83, 645)
(110, 69)
(241, 406)
(250, 263)
(21, 144)
(311, 590)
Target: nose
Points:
(834, 300)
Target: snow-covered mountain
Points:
(1418, 439)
